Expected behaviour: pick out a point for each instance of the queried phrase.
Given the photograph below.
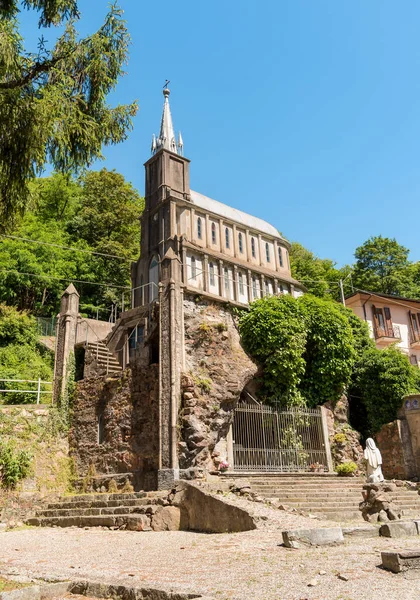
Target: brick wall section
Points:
(129, 407)
(394, 442)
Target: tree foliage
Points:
(53, 103)
(319, 275)
(382, 266)
(97, 213)
(21, 357)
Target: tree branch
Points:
(33, 73)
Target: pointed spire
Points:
(166, 137)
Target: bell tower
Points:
(167, 181)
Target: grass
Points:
(6, 585)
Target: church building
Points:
(223, 253)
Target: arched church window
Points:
(240, 242)
(280, 256)
(253, 247)
(199, 233)
(213, 233)
(267, 251)
(153, 278)
(227, 237)
(211, 272)
(193, 268)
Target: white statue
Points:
(374, 462)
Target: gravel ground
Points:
(248, 565)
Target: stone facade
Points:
(115, 426)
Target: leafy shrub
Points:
(340, 438)
(14, 464)
(346, 469)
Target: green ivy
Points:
(305, 346)
(329, 353)
(274, 332)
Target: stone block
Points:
(361, 532)
(398, 529)
(166, 478)
(167, 518)
(313, 537)
(32, 592)
(401, 561)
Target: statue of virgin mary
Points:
(374, 461)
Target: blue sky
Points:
(303, 112)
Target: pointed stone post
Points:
(65, 339)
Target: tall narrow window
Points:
(227, 237)
(211, 272)
(254, 287)
(241, 283)
(213, 233)
(267, 287)
(240, 243)
(227, 283)
(193, 268)
(413, 360)
(280, 255)
(267, 252)
(253, 247)
(199, 233)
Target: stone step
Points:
(103, 503)
(110, 496)
(113, 511)
(127, 521)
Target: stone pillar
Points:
(65, 339)
(170, 366)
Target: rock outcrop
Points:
(217, 370)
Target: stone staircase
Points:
(105, 360)
(137, 511)
(327, 495)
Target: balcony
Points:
(388, 334)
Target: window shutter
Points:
(388, 321)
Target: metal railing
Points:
(274, 439)
(392, 332)
(38, 391)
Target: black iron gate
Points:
(284, 440)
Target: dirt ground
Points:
(250, 565)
